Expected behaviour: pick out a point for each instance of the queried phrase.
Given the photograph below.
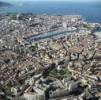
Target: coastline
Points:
(91, 12)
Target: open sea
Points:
(89, 11)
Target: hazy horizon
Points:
(51, 1)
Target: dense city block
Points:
(46, 57)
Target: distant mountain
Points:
(2, 4)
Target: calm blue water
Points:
(44, 36)
(90, 11)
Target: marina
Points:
(49, 35)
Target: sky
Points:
(52, 0)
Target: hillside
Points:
(4, 4)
